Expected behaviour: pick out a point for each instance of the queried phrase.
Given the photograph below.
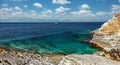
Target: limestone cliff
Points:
(107, 37)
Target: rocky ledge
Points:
(87, 60)
(107, 38)
(18, 57)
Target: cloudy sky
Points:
(57, 10)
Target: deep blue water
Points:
(48, 37)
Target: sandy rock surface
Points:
(87, 60)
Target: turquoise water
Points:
(66, 43)
(48, 37)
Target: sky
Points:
(58, 10)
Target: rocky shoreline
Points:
(106, 38)
(17, 57)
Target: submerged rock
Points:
(107, 38)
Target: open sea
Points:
(66, 38)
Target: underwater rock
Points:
(107, 38)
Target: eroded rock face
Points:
(107, 37)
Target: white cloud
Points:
(119, 0)
(84, 10)
(101, 13)
(37, 5)
(61, 10)
(4, 5)
(45, 17)
(25, 6)
(61, 2)
(17, 8)
(83, 14)
(47, 12)
(84, 6)
(5, 11)
(115, 7)
(93, 17)
(33, 12)
(17, 13)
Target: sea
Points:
(49, 37)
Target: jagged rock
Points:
(87, 60)
(17, 57)
(107, 38)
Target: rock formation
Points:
(107, 38)
(18, 57)
(87, 60)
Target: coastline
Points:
(10, 56)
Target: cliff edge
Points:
(107, 38)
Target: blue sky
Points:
(57, 10)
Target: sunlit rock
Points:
(107, 37)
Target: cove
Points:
(65, 43)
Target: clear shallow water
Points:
(48, 37)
